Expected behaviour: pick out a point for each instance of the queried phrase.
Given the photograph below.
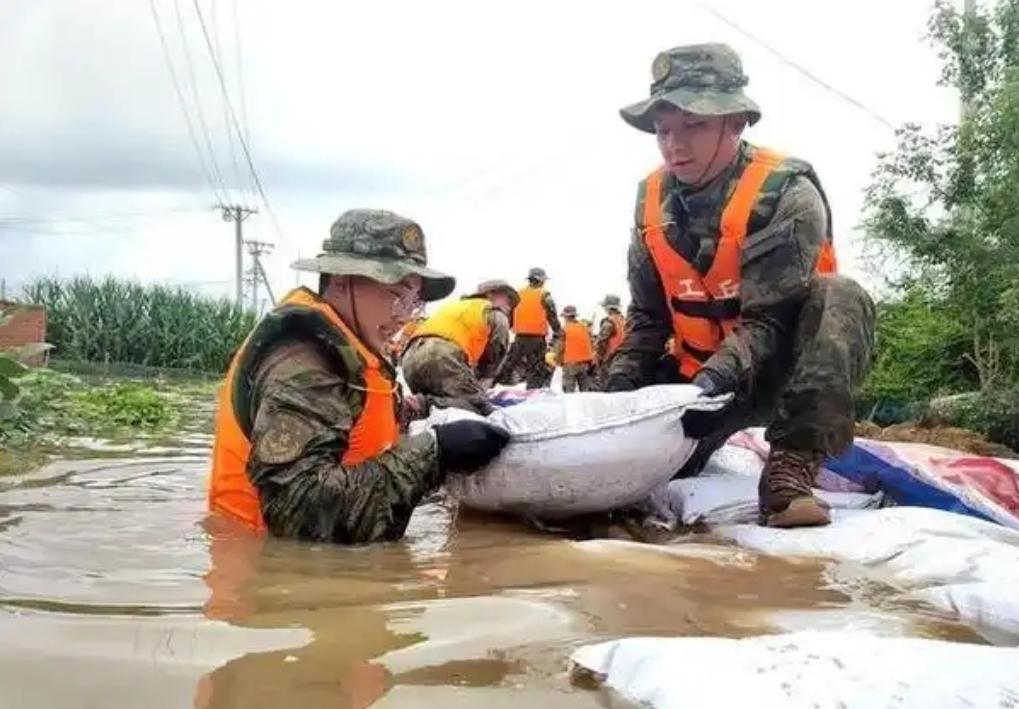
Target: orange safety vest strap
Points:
(737, 212)
(706, 307)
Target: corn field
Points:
(123, 321)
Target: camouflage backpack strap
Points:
(775, 186)
(290, 323)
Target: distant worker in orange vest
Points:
(533, 319)
(307, 441)
(610, 336)
(454, 356)
(732, 254)
(575, 352)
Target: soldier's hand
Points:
(709, 383)
(466, 446)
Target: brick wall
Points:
(27, 325)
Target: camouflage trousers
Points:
(438, 369)
(526, 362)
(577, 377)
(805, 394)
(601, 378)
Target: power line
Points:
(181, 102)
(226, 116)
(798, 67)
(97, 217)
(198, 101)
(239, 71)
(236, 125)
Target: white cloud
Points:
(495, 126)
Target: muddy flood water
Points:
(116, 592)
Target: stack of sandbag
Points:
(808, 669)
(580, 453)
(959, 564)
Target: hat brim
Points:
(508, 290)
(702, 102)
(435, 285)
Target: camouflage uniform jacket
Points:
(498, 344)
(306, 395)
(790, 224)
(550, 313)
(606, 331)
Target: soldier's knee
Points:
(841, 292)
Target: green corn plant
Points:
(125, 322)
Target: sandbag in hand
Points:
(467, 446)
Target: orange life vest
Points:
(464, 323)
(375, 430)
(529, 316)
(618, 333)
(577, 347)
(705, 308)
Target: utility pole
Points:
(257, 272)
(237, 214)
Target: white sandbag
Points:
(726, 491)
(574, 454)
(959, 564)
(810, 670)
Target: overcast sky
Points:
(494, 125)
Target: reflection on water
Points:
(115, 591)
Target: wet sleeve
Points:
(301, 430)
(778, 264)
(498, 344)
(649, 324)
(551, 315)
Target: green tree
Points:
(946, 201)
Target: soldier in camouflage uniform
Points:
(611, 331)
(307, 443)
(436, 363)
(575, 353)
(533, 318)
(733, 243)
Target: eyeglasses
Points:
(408, 302)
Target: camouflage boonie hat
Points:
(537, 274)
(496, 286)
(379, 245)
(611, 301)
(705, 79)
(570, 311)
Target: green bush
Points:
(921, 353)
(994, 414)
(53, 405)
